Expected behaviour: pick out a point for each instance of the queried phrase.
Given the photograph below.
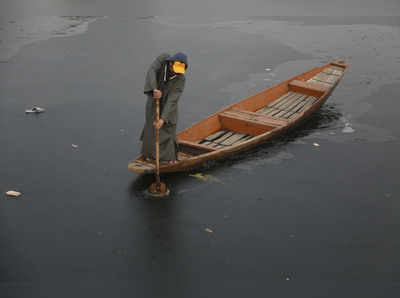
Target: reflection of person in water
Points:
(165, 80)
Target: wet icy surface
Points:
(287, 219)
(18, 32)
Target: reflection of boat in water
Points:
(253, 120)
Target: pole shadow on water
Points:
(162, 245)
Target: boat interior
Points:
(258, 114)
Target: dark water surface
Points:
(288, 219)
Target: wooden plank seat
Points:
(245, 122)
(255, 117)
(308, 88)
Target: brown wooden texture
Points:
(332, 71)
(196, 145)
(297, 102)
(200, 130)
(216, 135)
(331, 79)
(224, 137)
(340, 63)
(311, 89)
(182, 156)
(288, 108)
(251, 116)
(157, 143)
(281, 99)
(243, 125)
(320, 82)
(233, 139)
(286, 105)
(140, 166)
(292, 97)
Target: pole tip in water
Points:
(157, 190)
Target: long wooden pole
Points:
(158, 145)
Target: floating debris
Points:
(13, 193)
(299, 142)
(74, 146)
(316, 145)
(198, 176)
(208, 230)
(35, 110)
(206, 178)
(347, 128)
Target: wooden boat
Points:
(251, 121)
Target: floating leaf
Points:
(198, 176)
(208, 230)
(206, 178)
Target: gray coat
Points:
(171, 90)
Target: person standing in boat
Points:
(165, 80)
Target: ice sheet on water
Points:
(347, 128)
(17, 33)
